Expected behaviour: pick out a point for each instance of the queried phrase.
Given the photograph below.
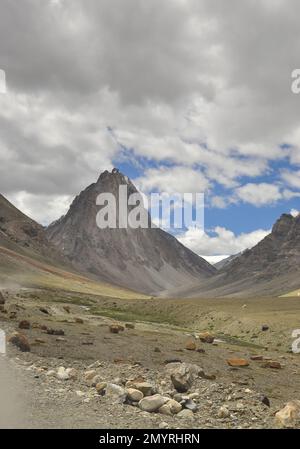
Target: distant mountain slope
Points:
(225, 262)
(147, 260)
(22, 234)
(272, 267)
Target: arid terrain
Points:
(151, 346)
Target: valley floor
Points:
(158, 332)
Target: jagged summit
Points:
(115, 175)
(147, 260)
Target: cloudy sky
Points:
(184, 95)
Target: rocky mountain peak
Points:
(145, 259)
(283, 225)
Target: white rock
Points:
(289, 415)
(80, 393)
(152, 403)
(88, 375)
(116, 391)
(62, 374)
(72, 373)
(223, 412)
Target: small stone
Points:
(145, 387)
(206, 337)
(39, 341)
(191, 405)
(237, 362)
(116, 328)
(289, 415)
(185, 414)
(62, 374)
(172, 360)
(20, 341)
(163, 425)
(79, 320)
(257, 357)
(129, 326)
(55, 332)
(134, 395)
(223, 412)
(152, 403)
(265, 400)
(272, 364)
(44, 310)
(264, 327)
(80, 393)
(72, 373)
(190, 345)
(201, 350)
(67, 309)
(90, 374)
(95, 380)
(100, 387)
(24, 324)
(60, 339)
(171, 407)
(116, 391)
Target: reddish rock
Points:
(238, 362)
(190, 345)
(272, 364)
(257, 357)
(116, 328)
(206, 337)
(20, 341)
(55, 332)
(24, 324)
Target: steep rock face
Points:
(147, 260)
(277, 254)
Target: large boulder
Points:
(183, 375)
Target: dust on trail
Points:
(12, 401)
